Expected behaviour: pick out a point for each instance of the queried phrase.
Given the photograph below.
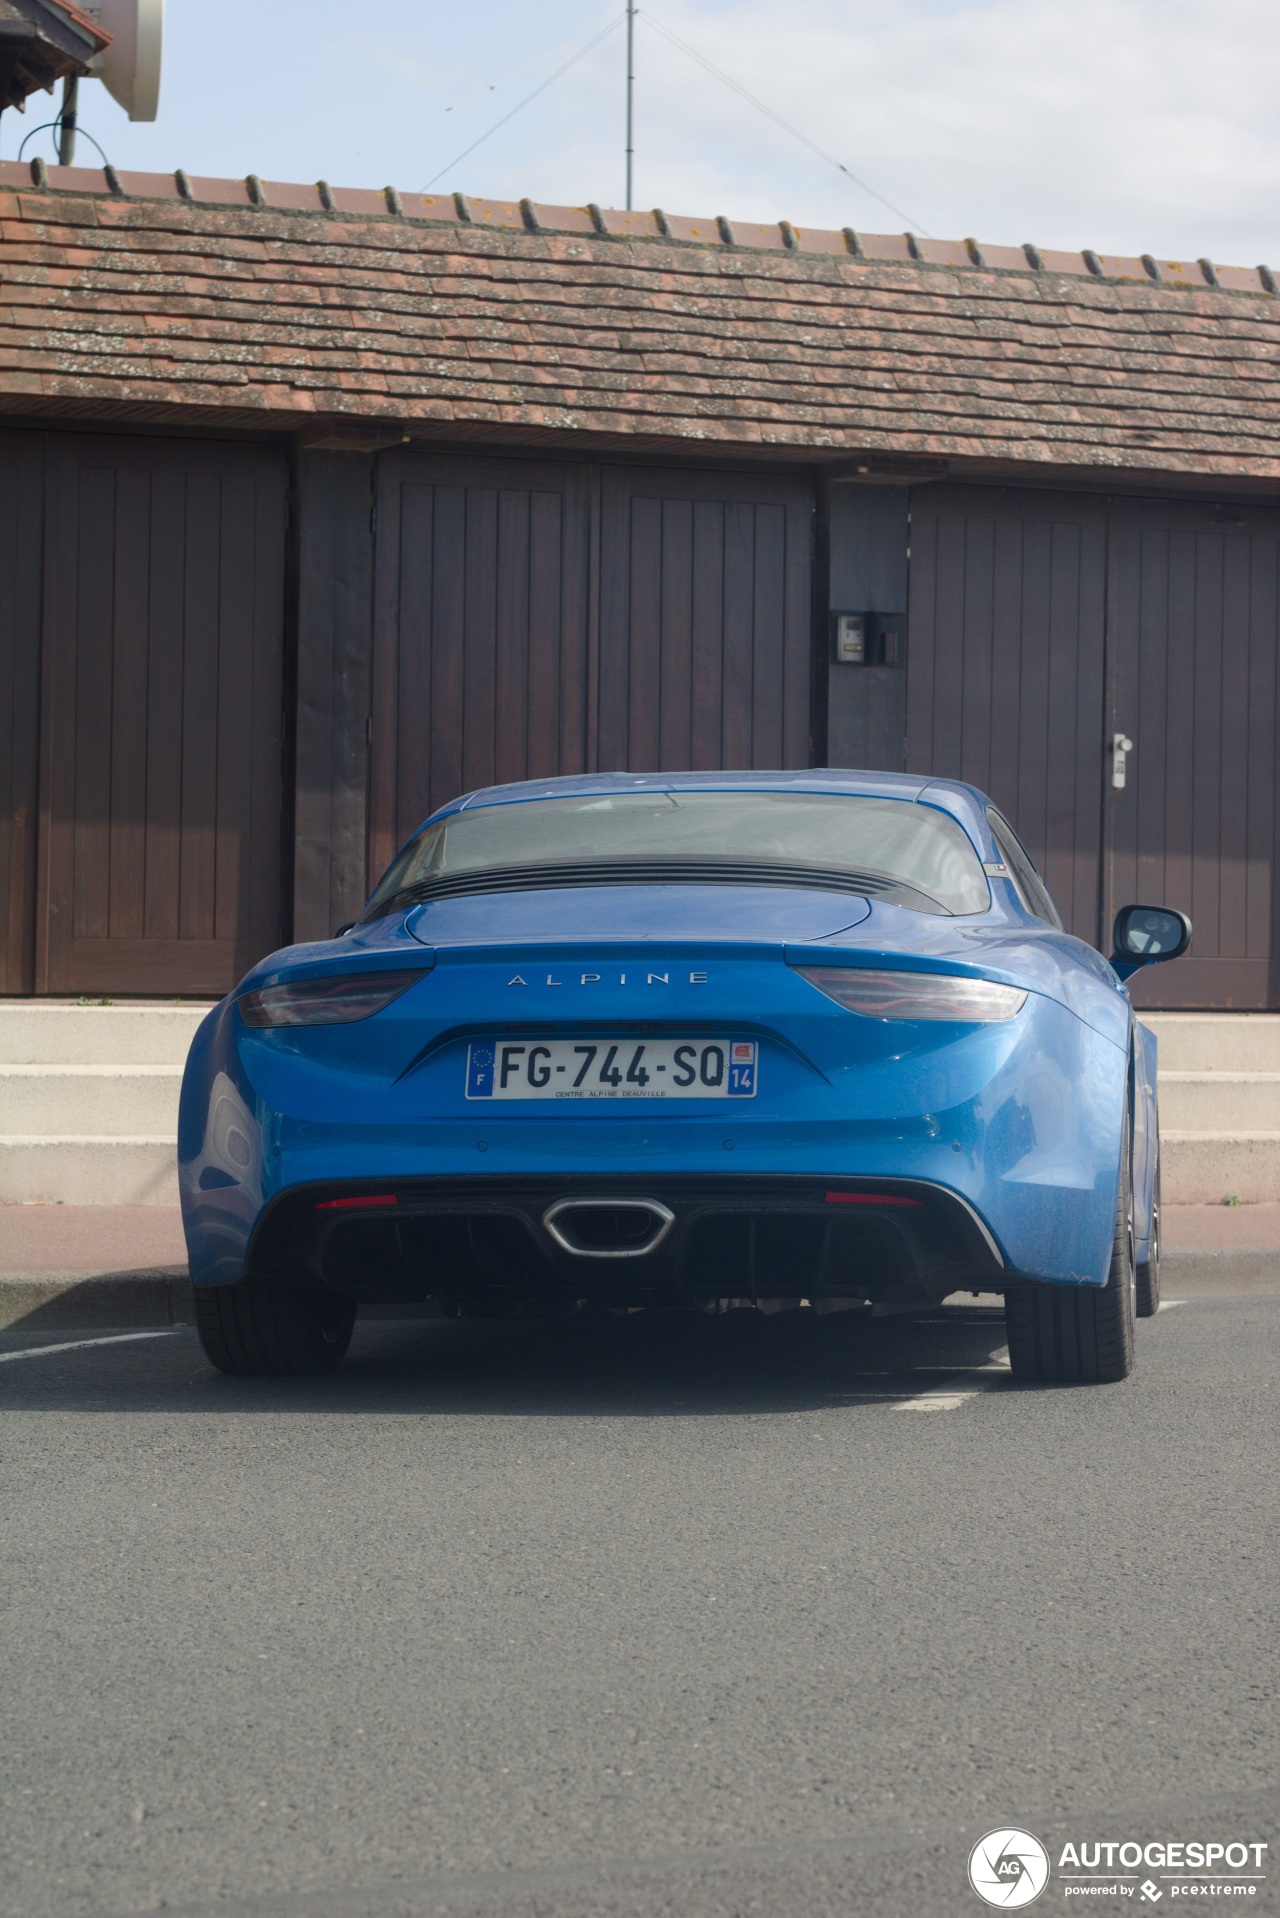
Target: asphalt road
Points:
(632, 1620)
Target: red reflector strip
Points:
(869, 1198)
(347, 1205)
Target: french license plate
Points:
(611, 1069)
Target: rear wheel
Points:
(264, 1331)
(1148, 1283)
(1079, 1334)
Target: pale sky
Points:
(1126, 125)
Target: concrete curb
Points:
(157, 1296)
(1206, 1272)
(161, 1295)
(57, 1301)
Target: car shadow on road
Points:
(646, 1365)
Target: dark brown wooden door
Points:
(160, 833)
(481, 638)
(1006, 669)
(21, 562)
(705, 621)
(1195, 629)
(534, 618)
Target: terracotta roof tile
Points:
(360, 200)
(206, 192)
(561, 219)
(813, 239)
(884, 246)
(630, 226)
(1004, 259)
(159, 296)
(678, 227)
(301, 199)
(498, 213)
(943, 252)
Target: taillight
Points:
(915, 995)
(335, 1001)
(358, 1202)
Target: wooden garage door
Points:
(705, 621)
(1194, 634)
(481, 635)
(160, 831)
(1006, 669)
(534, 618)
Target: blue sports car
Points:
(676, 1039)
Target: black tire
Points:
(1079, 1334)
(1147, 1294)
(258, 1330)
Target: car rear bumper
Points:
(638, 1239)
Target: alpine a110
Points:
(673, 1040)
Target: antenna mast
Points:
(631, 88)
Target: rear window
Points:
(919, 856)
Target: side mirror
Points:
(1145, 934)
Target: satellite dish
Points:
(130, 67)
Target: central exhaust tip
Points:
(608, 1228)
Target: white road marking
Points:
(78, 1345)
(945, 1397)
(1167, 1305)
(961, 1384)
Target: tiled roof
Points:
(147, 296)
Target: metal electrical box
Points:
(868, 639)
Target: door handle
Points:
(1120, 750)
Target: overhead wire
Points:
(550, 80)
(702, 60)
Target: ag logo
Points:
(1008, 1868)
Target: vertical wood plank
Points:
(236, 715)
(1060, 823)
(643, 636)
(197, 879)
(804, 655)
(976, 687)
(1206, 769)
(390, 651)
(166, 606)
(94, 561)
(446, 717)
(1262, 795)
(128, 704)
(478, 641)
(334, 666)
(706, 683)
(739, 633)
(769, 636)
(555, 671)
(264, 924)
(922, 631)
(513, 619)
(1237, 742)
(411, 722)
(675, 694)
(612, 646)
(21, 562)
